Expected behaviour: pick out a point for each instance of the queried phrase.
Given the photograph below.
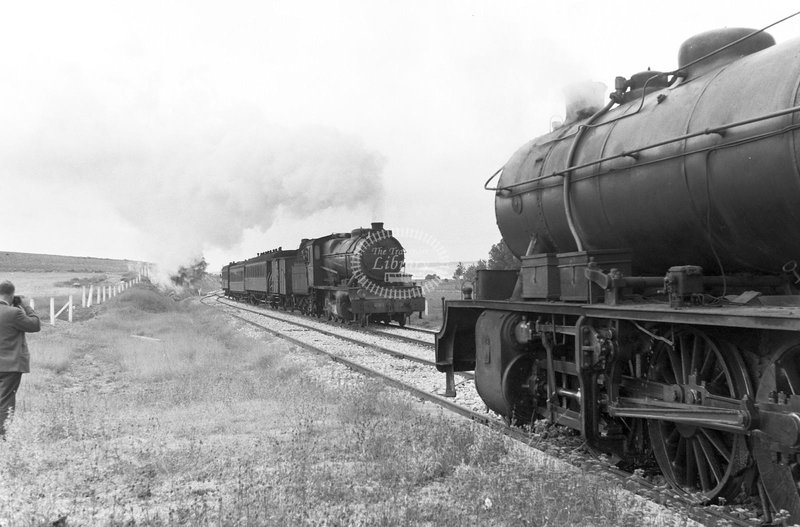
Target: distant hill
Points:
(442, 269)
(30, 262)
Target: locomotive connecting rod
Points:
(693, 405)
(727, 419)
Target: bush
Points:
(148, 300)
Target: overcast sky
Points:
(164, 130)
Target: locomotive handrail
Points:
(499, 171)
(635, 151)
(589, 124)
(582, 127)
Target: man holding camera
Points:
(15, 320)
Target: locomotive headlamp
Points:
(361, 293)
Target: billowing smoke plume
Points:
(191, 172)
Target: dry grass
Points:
(160, 413)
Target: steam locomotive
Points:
(356, 276)
(656, 311)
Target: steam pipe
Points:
(570, 158)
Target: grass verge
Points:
(162, 413)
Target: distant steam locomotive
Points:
(356, 276)
(657, 308)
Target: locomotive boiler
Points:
(702, 170)
(657, 310)
(357, 276)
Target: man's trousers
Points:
(9, 383)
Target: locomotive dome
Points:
(701, 45)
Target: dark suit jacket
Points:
(14, 323)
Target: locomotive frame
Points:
(613, 327)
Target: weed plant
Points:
(160, 413)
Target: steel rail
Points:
(676, 501)
(381, 349)
(389, 332)
(422, 330)
(367, 329)
(385, 330)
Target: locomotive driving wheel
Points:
(700, 460)
(779, 472)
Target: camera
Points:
(17, 301)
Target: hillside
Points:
(12, 261)
(441, 269)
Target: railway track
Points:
(406, 334)
(417, 375)
(392, 355)
(422, 346)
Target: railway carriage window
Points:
(316, 253)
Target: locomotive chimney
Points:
(583, 100)
(377, 225)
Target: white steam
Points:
(191, 173)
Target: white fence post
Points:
(83, 296)
(68, 307)
(98, 295)
(104, 293)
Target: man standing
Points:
(15, 320)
